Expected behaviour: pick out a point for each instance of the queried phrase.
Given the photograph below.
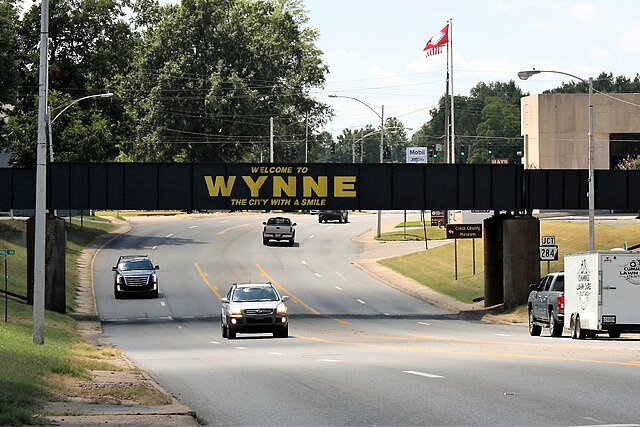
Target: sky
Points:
(374, 50)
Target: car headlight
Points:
(154, 278)
(236, 311)
(281, 309)
(119, 279)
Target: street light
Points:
(381, 115)
(100, 95)
(524, 75)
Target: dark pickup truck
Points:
(546, 305)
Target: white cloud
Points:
(629, 41)
(584, 11)
(598, 52)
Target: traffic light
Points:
(489, 148)
(431, 150)
(462, 150)
(333, 148)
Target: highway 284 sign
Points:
(464, 231)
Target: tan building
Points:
(556, 126)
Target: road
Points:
(359, 351)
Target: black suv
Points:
(135, 274)
(340, 216)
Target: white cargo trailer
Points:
(602, 293)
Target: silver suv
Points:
(135, 274)
(254, 307)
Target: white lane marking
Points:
(193, 226)
(179, 326)
(241, 348)
(214, 342)
(318, 274)
(312, 236)
(338, 288)
(275, 353)
(169, 235)
(502, 335)
(330, 360)
(386, 314)
(118, 320)
(154, 248)
(424, 323)
(187, 317)
(423, 374)
(165, 318)
(162, 303)
(303, 262)
(142, 318)
(222, 222)
(360, 301)
(329, 227)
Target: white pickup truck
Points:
(602, 290)
(278, 228)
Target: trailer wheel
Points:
(614, 334)
(534, 330)
(576, 331)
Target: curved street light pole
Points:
(381, 115)
(100, 95)
(524, 75)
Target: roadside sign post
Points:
(6, 252)
(548, 250)
(464, 231)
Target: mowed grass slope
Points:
(29, 373)
(435, 268)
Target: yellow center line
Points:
(296, 299)
(469, 353)
(205, 278)
(221, 232)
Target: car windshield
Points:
(254, 294)
(142, 264)
(279, 221)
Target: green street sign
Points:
(7, 252)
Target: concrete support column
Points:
(55, 264)
(493, 281)
(521, 259)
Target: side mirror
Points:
(224, 300)
(285, 298)
(114, 268)
(157, 267)
(533, 287)
(294, 224)
(264, 223)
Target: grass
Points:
(435, 268)
(29, 373)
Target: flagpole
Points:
(453, 120)
(447, 149)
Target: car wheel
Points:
(265, 242)
(320, 220)
(117, 294)
(282, 332)
(555, 328)
(614, 334)
(231, 334)
(223, 329)
(153, 294)
(534, 330)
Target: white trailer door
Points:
(621, 287)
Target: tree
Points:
(91, 44)
(9, 76)
(208, 78)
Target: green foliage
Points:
(209, 77)
(8, 62)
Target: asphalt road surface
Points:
(359, 352)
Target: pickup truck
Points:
(546, 305)
(278, 228)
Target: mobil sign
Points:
(416, 154)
